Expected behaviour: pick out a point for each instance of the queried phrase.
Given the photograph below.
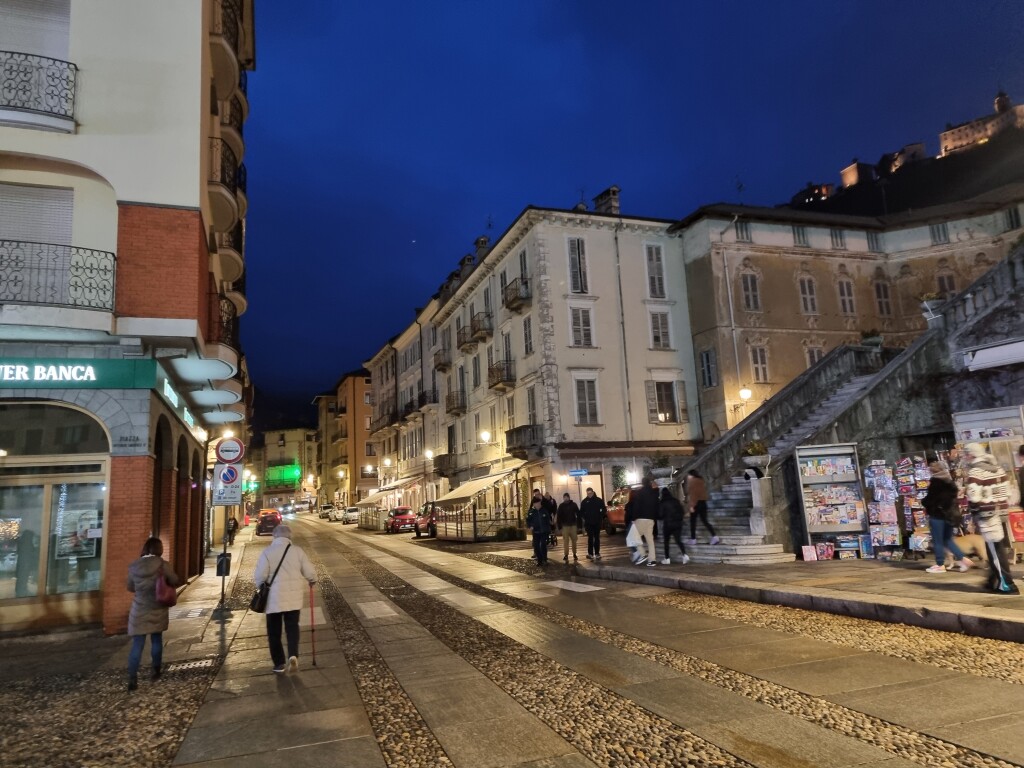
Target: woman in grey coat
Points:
(147, 616)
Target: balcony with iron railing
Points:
(242, 190)
(223, 185)
(231, 252)
(524, 442)
(516, 294)
(386, 419)
(338, 435)
(482, 326)
(225, 31)
(455, 402)
(223, 321)
(236, 292)
(409, 410)
(56, 275)
(446, 464)
(37, 92)
(501, 375)
(426, 399)
(464, 339)
(443, 359)
(232, 119)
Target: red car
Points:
(400, 519)
(426, 521)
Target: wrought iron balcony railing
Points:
(482, 326)
(223, 321)
(446, 463)
(226, 15)
(516, 294)
(521, 440)
(242, 179)
(465, 339)
(233, 116)
(233, 239)
(501, 375)
(427, 398)
(455, 402)
(443, 359)
(37, 84)
(56, 275)
(223, 165)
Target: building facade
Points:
(348, 461)
(122, 207)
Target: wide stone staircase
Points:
(729, 514)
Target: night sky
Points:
(384, 137)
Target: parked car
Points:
(400, 519)
(325, 511)
(268, 520)
(350, 515)
(615, 519)
(302, 506)
(426, 521)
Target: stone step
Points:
(731, 540)
(743, 559)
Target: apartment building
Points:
(348, 461)
(287, 468)
(122, 208)
(564, 346)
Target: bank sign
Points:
(30, 373)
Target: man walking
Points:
(568, 520)
(593, 511)
(539, 521)
(645, 512)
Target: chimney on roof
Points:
(607, 201)
(465, 266)
(483, 246)
(580, 207)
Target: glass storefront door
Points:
(21, 525)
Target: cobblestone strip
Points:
(609, 729)
(979, 656)
(890, 737)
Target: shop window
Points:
(21, 526)
(76, 538)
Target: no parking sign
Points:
(227, 484)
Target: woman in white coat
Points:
(287, 594)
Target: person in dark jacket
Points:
(568, 521)
(147, 616)
(644, 512)
(672, 516)
(551, 507)
(941, 505)
(538, 520)
(593, 511)
(232, 529)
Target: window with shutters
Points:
(708, 369)
(751, 292)
(36, 214)
(1011, 218)
(586, 401)
(582, 333)
(510, 411)
(665, 402)
(523, 274)
(874, 242)
(659, 331)
(838, 239)
(476, 371)
(527, 335)
(946, 283)
(846, 303)
(490, 356)
(502, 281)
(531, 405)
(808, 296)
(452, 444)
(939, 233)
(883, 301)
(759, 364)
(655, 272)
(577, 266)
(800, 236)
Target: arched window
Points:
(42, 429)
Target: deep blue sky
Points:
(384, 136)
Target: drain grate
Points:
(180, 666)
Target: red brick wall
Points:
(163, 263)
(128, 526)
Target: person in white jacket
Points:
(287, 594)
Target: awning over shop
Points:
(994, 356)
(375, 498)
(471, 488)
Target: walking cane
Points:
(312, 623)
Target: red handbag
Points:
(166, 595)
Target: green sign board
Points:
(286, 475)
(49, 373)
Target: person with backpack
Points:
(147, 616)
(672, 516)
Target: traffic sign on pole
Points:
(229, 450)
(227, 484)
(579, 472)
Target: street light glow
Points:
(485, 436)
(387, 462)
(428, 453)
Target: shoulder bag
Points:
(166, 595)
(259, 600)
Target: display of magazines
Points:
(883, 483)
(834, 506)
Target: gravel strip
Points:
(608, 729)
(894, 739)
(980, 656)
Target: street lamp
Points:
(387, 462)
(429, 454)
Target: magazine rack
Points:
(835, 515)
